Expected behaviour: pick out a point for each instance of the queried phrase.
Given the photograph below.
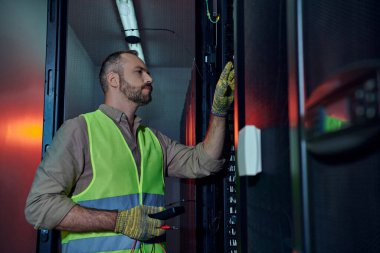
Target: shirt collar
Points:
(117, 115)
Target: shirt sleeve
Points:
(188, 161)
(48, 201)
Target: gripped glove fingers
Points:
(224, 91)
(135, 223)
(154, 224)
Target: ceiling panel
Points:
(163, 48)
(97, 25)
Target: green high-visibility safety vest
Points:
(116, 185)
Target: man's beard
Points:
(135, 94)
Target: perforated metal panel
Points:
(339, 34)
(265, 218)
(344, 192)
(345, 200)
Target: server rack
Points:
(334, 81)
(215, 196)
(264, 200)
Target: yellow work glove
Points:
(135, 223)
(224, 91)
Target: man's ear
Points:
(113, 79)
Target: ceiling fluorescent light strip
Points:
(129, 21)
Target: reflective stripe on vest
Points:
(115, 184)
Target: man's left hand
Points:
(224, 91)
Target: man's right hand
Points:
(135, 223)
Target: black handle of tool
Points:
(168, 213)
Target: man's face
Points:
(135, 81)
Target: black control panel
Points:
(364, 101)
(343, 113)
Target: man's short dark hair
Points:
(112, 63)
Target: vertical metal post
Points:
(302, 143)
(48, 240)
(239, 118)
(229, 187)
(298, 155)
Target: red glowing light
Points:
(27, 131)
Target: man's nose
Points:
(148, 78)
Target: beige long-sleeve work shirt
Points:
(66, 168)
